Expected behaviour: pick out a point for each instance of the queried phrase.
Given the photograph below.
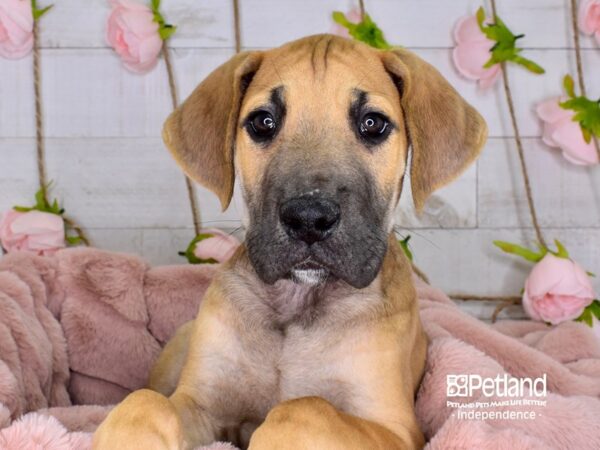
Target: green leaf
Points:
(40, 200)
(404, 244)
(587, 113)
(158, 18)
(339, 18)
(22, 208)
(515, 249)
(562, 251)
(74, 240)
(528, 64)
(592, 310)
(569, 85)
(166, 31)
(37, 13)
(480, 18)
(594, 307)
(585, 317)
(505, 48)
(155, 5)
(365, 31)
(189, 253)
(42, 204)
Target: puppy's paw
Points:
(302, 423)
(144, 420)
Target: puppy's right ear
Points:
(201, 133)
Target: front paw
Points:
(144, 420)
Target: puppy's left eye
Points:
(374, 127)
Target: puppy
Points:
(309, 337)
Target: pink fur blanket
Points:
(80, 330)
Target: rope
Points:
(174, 102)
(237, 27)
(361, 5)
(420, 273)
(513, 118)
(39, 132)
(578, 62)
(506, 301)
(39, 122)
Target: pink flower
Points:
(133, 33)
(220, 246)
(557, 290)
(353, 16)
(472, 51)
(16, 28)
(589, 18)
(561, 131)
(33, 231)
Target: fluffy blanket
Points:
(80, 330)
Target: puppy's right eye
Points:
(261, 125)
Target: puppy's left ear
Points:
(446, 133)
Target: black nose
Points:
(309, 219)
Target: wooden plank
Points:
(466, 261)
(413, 24)
(130, 183)
(88, 93)
(453, 206)
(157, 246)
(73, 24)
(106, 183)
(422, 24)
(565, 195)
(16, 98)
(134, 183)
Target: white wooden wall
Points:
(114, 176)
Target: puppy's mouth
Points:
(309, 272)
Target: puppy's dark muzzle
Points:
(309, 219)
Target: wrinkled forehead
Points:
(325, 73)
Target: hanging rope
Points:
(39, 132)
(506, 301)
(579, 63)
(39, 123)
(361, 5)
(175, 102)
(524, 171)
(237, 27)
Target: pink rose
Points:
(220, 246)
(589, 18)
(557, 290)
(133, 33)
(561, 131)
(16, 28)
(472, 51)
(33, 231)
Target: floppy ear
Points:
(201, 133)
(446, 133)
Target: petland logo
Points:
(500, 386)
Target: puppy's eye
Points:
(374, 127)
(262, 125)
